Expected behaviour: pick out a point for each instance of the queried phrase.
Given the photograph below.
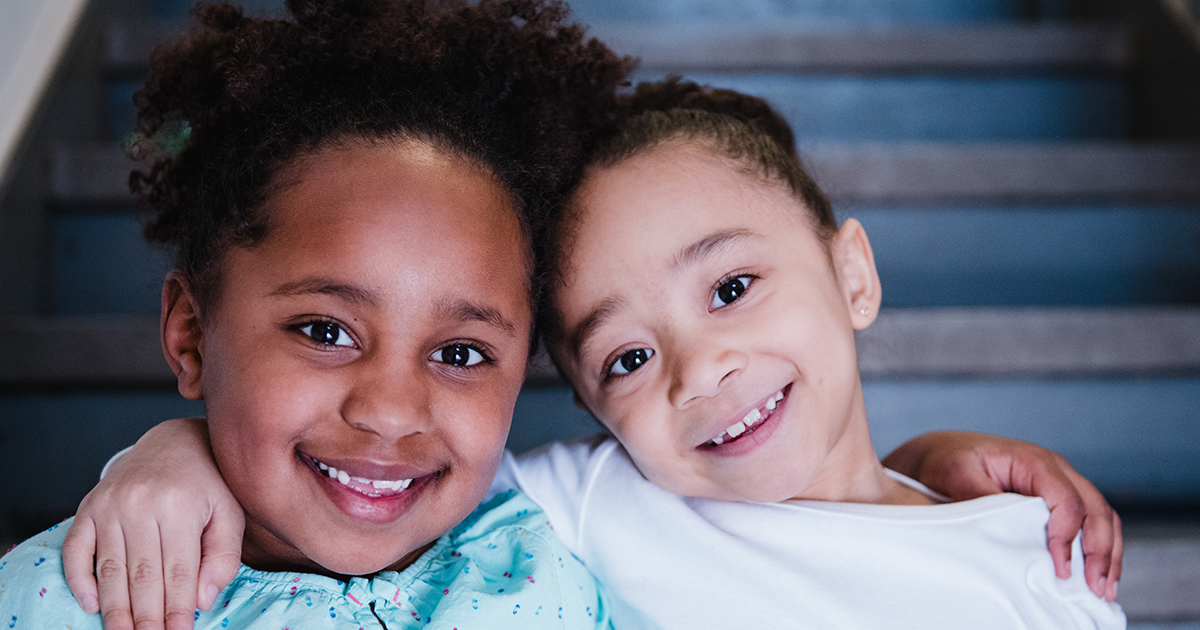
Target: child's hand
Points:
(164, 532)
(968, 465)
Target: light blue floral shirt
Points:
(503, 567)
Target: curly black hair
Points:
(508, 84)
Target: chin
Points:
(359, 565)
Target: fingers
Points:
(79, 556)
(221, 543)
(181, 562)
(1101, 537)
(1118, 559)
(1067, 516)
(113, 588)
(143, 551)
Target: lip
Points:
(378, 510)
(753, 436)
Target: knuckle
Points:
(179, 619)
(147, 622)
(144, 572)
(110, 569)
(114, 618)
(179, 573)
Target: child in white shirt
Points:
(704, 309)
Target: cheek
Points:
(481, 423)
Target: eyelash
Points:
(485, 357)
(327, 347)
(612, 363)
(750, 280)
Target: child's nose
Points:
(699, 370)
(390, 404)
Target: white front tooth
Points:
(332, 472)
(343, 477)
(752, 417)
(771, 403)
(779, 395)
(322, 466)
(381, 484)
(403, 484)
(719, 440)
(736, 430)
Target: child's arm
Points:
(163, 509)
(166, 495)
(965, 465)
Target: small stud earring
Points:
(866, 312)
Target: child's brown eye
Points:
(729, 291)
(631, 361)
(327, 334)
(459, 355)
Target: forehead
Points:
(394, 214)
(669, 197)
(408, 180)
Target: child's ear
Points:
(182, 338)
(859, 279)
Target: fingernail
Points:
(1114, 591)
(1100, 587)
(90, 604)
(210, 596)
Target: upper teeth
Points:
(752, 418)
(345, 479)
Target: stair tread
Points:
(860, 172)
(904, 343)
(1161, 575)
(975, 48)
(1006, 342)
(794, 46)
(948, 172)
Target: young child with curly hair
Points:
(147, 518)
(351, 212)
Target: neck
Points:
(852, 473)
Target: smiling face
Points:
(708, 326)
(360, 364)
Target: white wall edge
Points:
(43, 43)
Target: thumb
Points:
(220, 552)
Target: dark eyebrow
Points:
(465, 311)
(603, 311)
(705, 246)
(326, 286)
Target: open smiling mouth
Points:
(373, 488)
(752, 420)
